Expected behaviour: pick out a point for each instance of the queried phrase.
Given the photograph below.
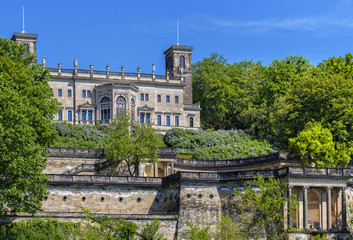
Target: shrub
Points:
(217, 145)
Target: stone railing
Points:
(112, 76)
(101, 179)
(91, 151)
(228, 163)
(288, 171)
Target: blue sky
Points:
(135, 33)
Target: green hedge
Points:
(217, 145)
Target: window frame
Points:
(60, 92)
(84, 93)
(69, 93)
(159, 98)
(176, 99)
(69, 115)
(167, 99)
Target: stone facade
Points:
(89, 96)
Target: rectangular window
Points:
(142, 118)
(89, 115)
(148, 118)
(167, 99)
(60, 92)
(83, 93)
(69, 93)
(69, 116)
(191, 121)
(159, 120)
(142, 97)
(83, 118)
(167, 120)
(146, 97)
(176, 99)
(176, 121)
(60, 116)
(88, 93)
(159, 99)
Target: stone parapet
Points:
(102, 179)
(112, 76)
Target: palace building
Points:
(174, 191)
(89, 96)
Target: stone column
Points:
(328, 205)
(305, 212)
(344, 209)
(156, 170)
(290, 219)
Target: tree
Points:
(150, 231)
(262, 207)
(227, 229)
(108, 228)
(26, 104)
(131, 143)
(197, 233)
(315, 145)
(328, 100)
(225, 91)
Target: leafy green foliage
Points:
(197, 233)
(217, 145)
(109, 228)
(131, 143)
(262, 207)
(26, 104)
(315, 145)
(275, 102)
(41, 229)
(225, 91)
(79, 136)
(150, 231)
(227, 229)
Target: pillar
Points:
(344, 209)
(290, 218)
(328, 205)
(305, 210)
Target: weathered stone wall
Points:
(102, 199)
(200, 203)
(60, 165)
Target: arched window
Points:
(182, 62)
(105, 108)
(120, 106)
(132, 108)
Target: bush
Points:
(40, 229)
(79, 136)
(197, 233)
(217, 145)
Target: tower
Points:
(178, 64)
(28, 39)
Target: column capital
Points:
(329, 188)
(305, 188)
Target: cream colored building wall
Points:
(98, 91)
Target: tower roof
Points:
(179, 48)
(24, 36)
